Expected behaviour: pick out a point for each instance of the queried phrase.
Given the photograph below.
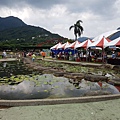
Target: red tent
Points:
(100, 43)
(56, 46)
(73, 45)
(84, 44)
(115, 42)
(63, 46)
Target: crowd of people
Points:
(92, 56)
(20, 54)
(33, 54)
(79, 55)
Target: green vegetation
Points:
(26, 36)
(77, 68)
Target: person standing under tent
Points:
(113, 55)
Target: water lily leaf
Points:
(45, 83)
(56, 87)
(12, 77)
(45, 90)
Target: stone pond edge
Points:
(37, 102)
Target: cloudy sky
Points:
(57, 16)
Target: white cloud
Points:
(57, 16)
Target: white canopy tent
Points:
(115, 42)
(102, 43)
(73, 45)
(106, 34)
(63, 46)
(84, 44)
(56, 46)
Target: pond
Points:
(18, 83)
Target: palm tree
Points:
(78, 29)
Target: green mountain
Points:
(14, 32)
(10, 22)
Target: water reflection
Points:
(49, 86)
(4, 64)
(13, 68)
